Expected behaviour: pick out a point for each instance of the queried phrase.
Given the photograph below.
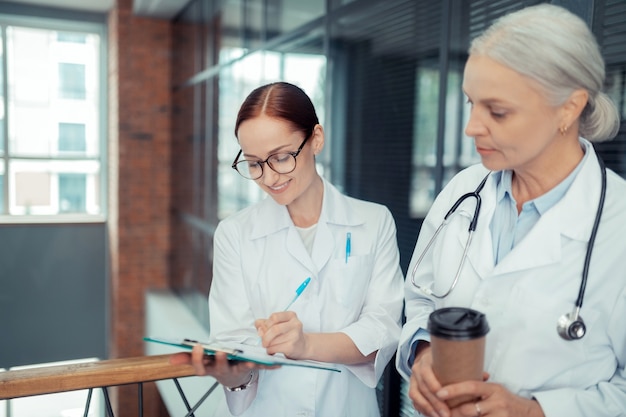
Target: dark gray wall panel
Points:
(53, 293)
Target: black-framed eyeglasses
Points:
(281, 163)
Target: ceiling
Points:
(164, 9)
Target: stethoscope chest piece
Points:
(571, 326)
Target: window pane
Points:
(54, 187)
(71, 137)
(71, 81)
(303, 63)
(2, 130)
(339, 3)
(72, 193)
(286, 15)
(425, 140)
(71, 37)
(2, 113)
(253, 25)
(231, 42)
(33, 59)
(28, 66)
(236, 82)
(53, 133)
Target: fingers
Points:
(467, 398)
(261, 326)
(199, 360)
(277, 318)
(471, 409)
(426, 401)
(479, 411)
(279, 329)
(467, 389)
(423, 388)
(419, 399)
(181, 358)
(489, 400)
(227, 372)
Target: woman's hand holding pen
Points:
(282, 333)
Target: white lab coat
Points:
(536, 283)
(259, 262)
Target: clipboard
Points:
(241, 352)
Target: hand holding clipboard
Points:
(242, 352)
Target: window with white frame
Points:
(52, 144)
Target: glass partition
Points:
(284, 16)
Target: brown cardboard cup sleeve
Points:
(457, 338)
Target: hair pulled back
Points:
(280, 100)
(555, 48)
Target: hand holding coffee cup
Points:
(457, 340)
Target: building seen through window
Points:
(51, 117)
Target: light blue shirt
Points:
(507, 227)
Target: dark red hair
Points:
(280, 100)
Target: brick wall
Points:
(140, 183)
(186, 152)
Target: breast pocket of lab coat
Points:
(348, 281)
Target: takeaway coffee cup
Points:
(457, 339)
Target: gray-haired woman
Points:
(534, 82)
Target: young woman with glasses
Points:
(349, 314)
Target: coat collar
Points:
(572, 217)
(336, 209)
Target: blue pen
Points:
(298, 292)
(348, 245)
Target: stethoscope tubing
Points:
(472, 227)
(565, 323)
(592, 237)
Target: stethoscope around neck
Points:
(570, 326)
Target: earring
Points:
(563, 130)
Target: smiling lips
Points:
(277, 189)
